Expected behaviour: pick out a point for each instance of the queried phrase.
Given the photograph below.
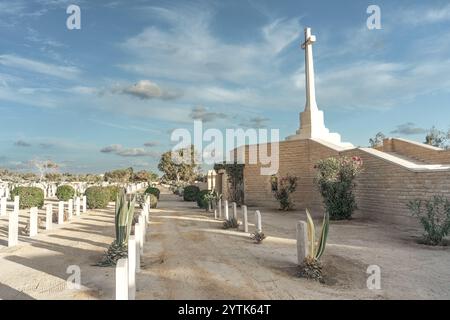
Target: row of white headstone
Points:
(234, 214)
(13, 216)
(127, 268)
(132, 188)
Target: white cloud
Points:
(17, 62)
(424, 15)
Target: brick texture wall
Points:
(383, 189)
(421, 152)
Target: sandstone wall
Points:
(383, 189)
(419, 151)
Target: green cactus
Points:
(124, 213)
(312, 268)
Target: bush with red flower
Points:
(335, 180)
(286, 186)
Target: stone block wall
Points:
(383, 189)
(418, 151)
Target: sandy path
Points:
(189, 256)
(36, 267)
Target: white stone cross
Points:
(309, 71)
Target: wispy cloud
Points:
(59, 71)
(146, 89)
(119, 150)
(201, 113)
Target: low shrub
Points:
(113, 192)
(286, 186)
(434, 216)
(154, 191)
(203, 198)
(97, 197)
(29, 197)
(335, 180)
(190, 193)
(65, 192)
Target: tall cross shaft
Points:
(311, 103)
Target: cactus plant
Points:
(124, 213)
(312, 267)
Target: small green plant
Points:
(230, 224)
(124, 214)
(29, 197)
(312, 267)
(154, 191)
(286, 186)
(335, 180)
(191, 193)
(258, 237)
(205, 197)
(97, 197)
(65, 192)
(434, 216)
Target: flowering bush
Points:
(335, 179)
(434, 216)
(286, 186)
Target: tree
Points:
(437, 138)
(119, 175)
(377, 141)
(179, 165)
(44, 167)
(145, 176)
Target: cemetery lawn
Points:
(188, 255)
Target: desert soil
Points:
(189, 256)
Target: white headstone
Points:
(131, 268)
(84, 204)
(302, 241)
(138, 248)
(138, 236)
(234, 210)
(16, 203)
(60, 212)
(2, 206)
(258, 221)
(33, 222)
(77, 206)
(49, 216)
(13, 228)
(245, 217)
(122, 279)
(220, 208)
(225, 207)
(70, 208)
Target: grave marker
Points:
(33, 222)
(258, 221)
(225, 207)
(302, 241)
(70, 208)
(131, 268)
(13, 228)
(49, 216)
(60, 212)
(84, 204)
(244, 214)
(3, 207)
(122, 279)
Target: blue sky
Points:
(108, 95)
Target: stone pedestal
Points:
(302, 241)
